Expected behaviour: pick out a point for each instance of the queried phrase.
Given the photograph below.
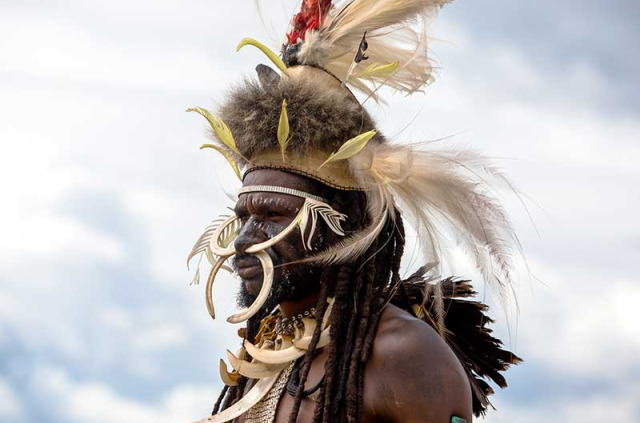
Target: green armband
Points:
(457, 420)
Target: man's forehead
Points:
(278, 178)
(269, 200)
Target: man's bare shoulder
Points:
(413, 375)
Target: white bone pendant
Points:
(286, 355)
(254, 370)
(305, 341)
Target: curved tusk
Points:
(209, 290)
(227, 378)
(251, 398)
(286, 355)
(254, 370)
(306, 341)
(267, 282)
(273, 241)
(225, 227)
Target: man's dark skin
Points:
(412, 376)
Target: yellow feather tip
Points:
(220, 128)
(283, 129)
(275, 59)
(376, 70)
(351, 147)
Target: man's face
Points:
(265, 215)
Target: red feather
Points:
(311, 16)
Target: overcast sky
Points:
(103, 191)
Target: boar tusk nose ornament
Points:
(222, 239)
(267, 283)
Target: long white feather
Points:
(445, 196)
(447, 192)
(396, 31)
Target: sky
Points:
(103, 192)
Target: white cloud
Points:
(46, 47)
(59, 237)
(583, 326)
(10, 405)
(588, 408)
(80, 401)
(161, 338)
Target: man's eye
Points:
(274, 214)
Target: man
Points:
(403, 347)
(332, 332)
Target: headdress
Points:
(305, 120)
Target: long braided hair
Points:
(360, 291)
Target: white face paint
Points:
(222, 243)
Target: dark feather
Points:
(466, 331)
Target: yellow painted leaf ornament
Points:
(376, 70)
(283, 129)
(220, 128)
(351, 147)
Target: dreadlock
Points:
(360, 291)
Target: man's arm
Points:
(413, 376)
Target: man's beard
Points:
(287, 286)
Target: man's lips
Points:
(248, 267)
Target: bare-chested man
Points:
(333, 332)
(411, 374)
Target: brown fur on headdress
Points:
(321, 117)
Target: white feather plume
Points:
(396, 31)
(442, 193)
(448, 192)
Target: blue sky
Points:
(104, 191)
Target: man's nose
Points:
(250, 234)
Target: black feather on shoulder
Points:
(466, 332)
